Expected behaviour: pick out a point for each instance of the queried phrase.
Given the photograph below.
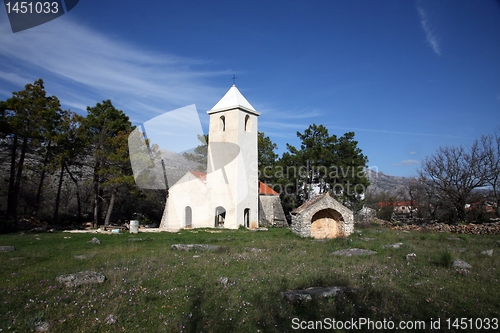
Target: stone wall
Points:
(334, 215)
(271, 212)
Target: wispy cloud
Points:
(412, 153)
(407, 163)
(84, 67)
(432, 38)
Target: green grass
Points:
(151, 288)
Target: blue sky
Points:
(405, 76)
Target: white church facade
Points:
(227, 195)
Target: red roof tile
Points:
(200, 174)
(266, 190)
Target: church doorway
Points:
(220, 216)
(246, 217)
(188, 214)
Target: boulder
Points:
(76, 279)
(457, 263)
(94, 240)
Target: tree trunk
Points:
(110, 207)
(12, 201)
(78, 200)
(40, 185)
(97, 197)
(17, 182)
(58, 196)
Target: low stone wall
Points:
(472, 229)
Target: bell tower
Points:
(232, 166)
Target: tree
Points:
(200, 153)
(266, 157)
(30, 119)
(106, 127)
(454, 172)
(69, 142)
(491, 146)
(327, 163)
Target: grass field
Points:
(151, 288)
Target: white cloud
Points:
(432, 38)
(412, 153)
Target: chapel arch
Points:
(188, 217)
(327, 223)
(246, 217)
(220, 216)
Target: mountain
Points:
(380, 182)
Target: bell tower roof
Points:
(233, 99)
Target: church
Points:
(227, 195)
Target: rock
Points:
(457, 263)
(7, 248)
(139, 239)
(223, 281)
(487, 252)
(353, 252)
(84, 256)
(393, 246)
(314, 292)
(42, 326)
(76, 279)
(498, 243)
(198, 247)
(254, 250)
(411, 256)
(462, 271)
(111, 319)
(95, 241)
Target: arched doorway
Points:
(326, 223)
(188, 217)
(246, 217)
(220, 216)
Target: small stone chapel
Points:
(227, 195)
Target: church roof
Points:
(200, 174)
(233, 99)
(266, 190)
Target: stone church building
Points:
(227, 195)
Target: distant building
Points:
(400, 207)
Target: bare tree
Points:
(454, 172)
(491, 146)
